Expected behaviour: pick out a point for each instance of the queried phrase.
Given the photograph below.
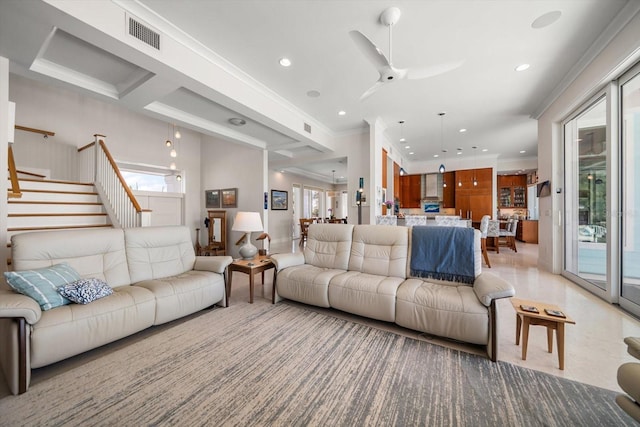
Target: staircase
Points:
(52, 205)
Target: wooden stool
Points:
(541, 318)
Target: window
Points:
(149, 178)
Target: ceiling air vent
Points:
(144, 33)
(307, 127)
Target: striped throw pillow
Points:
(42, 284)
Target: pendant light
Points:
(442, 169)
(402, 138)
(168, 142)
(475, 179)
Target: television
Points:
(543, 189)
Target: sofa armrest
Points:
(488, 287)
(217, 264)
(283, 261)
(16, 305)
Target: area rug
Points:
(263, 364)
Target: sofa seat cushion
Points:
(365, 295)
(444, 310)
(186, 293)
(75, 328)
(306, 283)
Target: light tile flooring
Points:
(594, 346)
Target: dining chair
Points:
(507, 236)
(493, 233)
(304, 228)
(484, 228)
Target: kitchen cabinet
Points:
(410, 191)
(449, 192)
(473, 201)
(527, 231)
(512, 191)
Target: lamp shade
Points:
(247, 222)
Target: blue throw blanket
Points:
(443, 253)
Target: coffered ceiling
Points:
(243, 40)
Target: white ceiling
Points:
(496, 104)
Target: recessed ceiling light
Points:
(522, 67)
(463, 130)
(237, 121)
(285, 62)
(436, 155)
(522, 151)
(313, 94)
(410, 152)
(485, 150)
(546, 19)
(407, 146)
(403, 139)
(459, 152)
(342, 113)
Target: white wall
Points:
(226, 165)
(620, 54)
(4, 146)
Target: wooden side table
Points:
(252, 266)
(525, 318)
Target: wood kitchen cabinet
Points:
(512, 191)
(449, 192)
(527, 231)
(410, 191)
(473, 201)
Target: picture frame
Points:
(279, 200)
(229, 198)
(212, 199)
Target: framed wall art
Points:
(279, 200)
(212, 198)
(229, 198)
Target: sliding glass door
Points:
(586, 211)
(630, 156)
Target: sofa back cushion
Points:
(158, 252)
(329, 245)
(98, 253)
(380, 249)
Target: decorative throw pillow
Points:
(42, 284)
(84, 291)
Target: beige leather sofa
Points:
(155, 275)
(365, 270)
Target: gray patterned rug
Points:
(285, 365)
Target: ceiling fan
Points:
(389, 73)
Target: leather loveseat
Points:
(366, 270)
(153, 272)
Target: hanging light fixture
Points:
(173, 153)
(475, 179)
(178, 177)
(177, 133)
(168, 142)
(172, 166)
(442, 169)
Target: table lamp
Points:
(247, 222)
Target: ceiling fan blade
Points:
(431, 70)
(370, 50)
(372, 90)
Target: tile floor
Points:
(594, 346)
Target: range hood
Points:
(431, 186)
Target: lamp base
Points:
(248, 251)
